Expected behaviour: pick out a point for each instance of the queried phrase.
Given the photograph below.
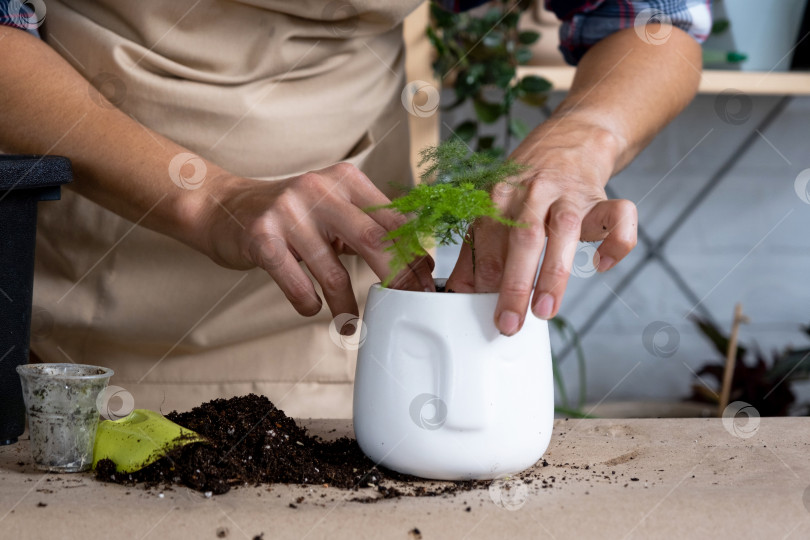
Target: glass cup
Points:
(60, 400)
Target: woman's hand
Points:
(625, 90)
(561, 196)
(311, 218)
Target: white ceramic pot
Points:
(440, 393)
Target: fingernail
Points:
(508, 323)
(605, 263)
(542, 308)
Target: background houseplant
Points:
(477, 53)
(765, 383)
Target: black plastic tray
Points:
(24, 181)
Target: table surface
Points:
(663, 478)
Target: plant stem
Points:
(558, 382)
(507, 134)
(471, 235)
(572, 413)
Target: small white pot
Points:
(440, 393)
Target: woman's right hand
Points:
(239, 223)
(312, 218)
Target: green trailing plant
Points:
(480, 52)
(454, 192)
(565, 406)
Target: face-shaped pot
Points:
(440, 393)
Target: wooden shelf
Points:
(713, 81)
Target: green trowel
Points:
(139, 439)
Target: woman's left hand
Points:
(560, 197)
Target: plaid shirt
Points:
(16, 13)
(584, 22)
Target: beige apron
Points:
(265, 89)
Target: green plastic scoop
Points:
(139, 439)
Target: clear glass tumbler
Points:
(60, 400)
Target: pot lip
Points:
(437, 281)
(38, 370)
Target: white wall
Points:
(749, 241)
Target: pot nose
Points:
(466, 394)
(450, 380)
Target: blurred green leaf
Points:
(466, 130)
(535, 100)
(511, 19)
(486, 142)
(487, 112)
(719, 26)
(716, 338)
(491, 17)
(436, 41)
(518, 128)
(502, 74)
(793, 365)
(467, 85)
(532, 84)
(528, 37)
(523, 55)
(492, 39)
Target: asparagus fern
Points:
(454, 192)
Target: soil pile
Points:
(252, 442)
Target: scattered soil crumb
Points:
(41, 504)
(624, 458)
(415, 534)
(222, 532)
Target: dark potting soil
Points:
(252, 442)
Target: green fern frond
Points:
(454, 193)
